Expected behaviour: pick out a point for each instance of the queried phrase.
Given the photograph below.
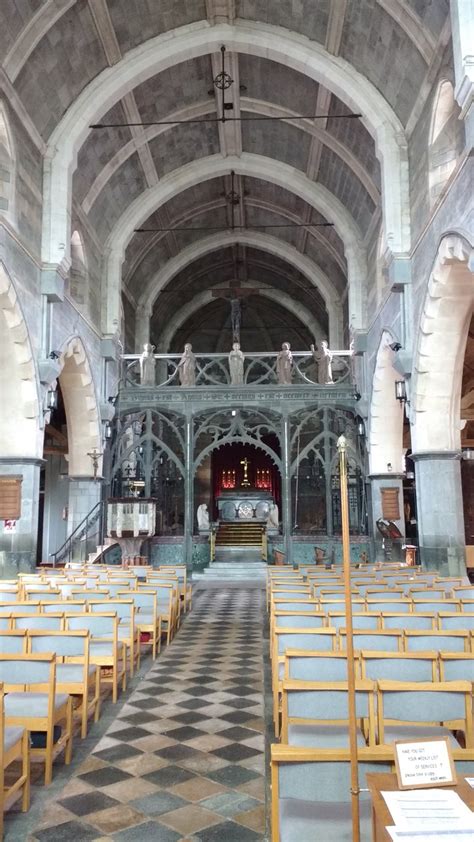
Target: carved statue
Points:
(236, 365)
(147, 366)
(202, 517)
(324, 360)
(187, 367)
(272, 519)
(284, 365)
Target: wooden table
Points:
(381, 816)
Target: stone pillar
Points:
(462, 23)
(378, 482)
(142, 327)
(84, 494)
(18, 547)
(189, 492)
(440, 514)
(286, 490)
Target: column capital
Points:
(436, 455)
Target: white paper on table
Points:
(470, 781)
(434, 808)
(420, 834)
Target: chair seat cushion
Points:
(321, 736)
(31, 704)
(417, 732)
(12, 735)
(313, 821)
(72, 673)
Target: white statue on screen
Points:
(272, 519)
(236, 365)
(202, 517)
(187, 367)
(284, 365)
(323, 358)
(147, 365)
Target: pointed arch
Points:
(82, 408)
(386, 413)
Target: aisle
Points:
(184, 760)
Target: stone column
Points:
(18, 547)
(55, 506)
(377, 483)
(189, 492)
(462, 23)
(440, 513)
(142, 327)
(286, 490)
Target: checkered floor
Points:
(184, 760)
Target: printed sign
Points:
(424, 763)
(9, 526)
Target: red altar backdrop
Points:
(228, 472)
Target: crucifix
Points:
(245, 462)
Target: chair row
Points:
(427, 620)
(405, 605)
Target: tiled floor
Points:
(184, 761)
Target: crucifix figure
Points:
(245, 462)
(235, 317)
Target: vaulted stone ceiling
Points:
(53, 49)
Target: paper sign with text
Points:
(424, 763)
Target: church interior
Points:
(236, 418)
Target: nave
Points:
(183, 757)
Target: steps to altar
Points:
(239, 534)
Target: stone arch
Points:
(386, 413)
(442, 151)
(78, 273)
(164, 51)
(7, 167)
(20, 407)
(265, 242)
(439, 352)
(82, 408)
(205, 297)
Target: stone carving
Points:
(202, 517)
(236, 365)
(284, 365)
(187, 367)
(147, 366)
(272, 520)
(323, 358)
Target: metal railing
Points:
(86, 537)
(214, 370)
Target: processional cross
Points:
(245, 462)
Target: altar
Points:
(244, 505)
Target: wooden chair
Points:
(399, 620)
(419, 710)
(360, 619)
(311, 792)
(48, 622)
(443, 641)
(186, 588)
(382, 605)
(127, 633)
(165, 607)
(8, 608)
(456, 666)
(303, 665)
(315, 713)
(14, 746)
(451, 621)
(70, 606)
(147, 619)
(436, 605)
(399, 666)
(13, 642)
(317, 639)
(297, 620)
(105, 651)
(74, 673)
(382, 640)
(33, 703)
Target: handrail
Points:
(264, 545)
(81, 529)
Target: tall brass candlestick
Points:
(346, 557)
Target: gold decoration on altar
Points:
(245, 482)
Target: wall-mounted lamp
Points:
(51, 400)
(361, 428)
(395, 346)
(357, 395)
(389, 467)
(233, 413)
(401, 391)
(107, 430)
(54, 355)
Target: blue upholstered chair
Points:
(105, 650)
(451, 621)
(13, 642)
(444, 641)
(316, 666)
(147, 618)
(396, 620)
(14, 746)
(399, 666)
(315, 713)
(360, 619)
(48, 622)
(390, 640)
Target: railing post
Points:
(286, 490)
(188, 491)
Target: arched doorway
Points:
(436, 405)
